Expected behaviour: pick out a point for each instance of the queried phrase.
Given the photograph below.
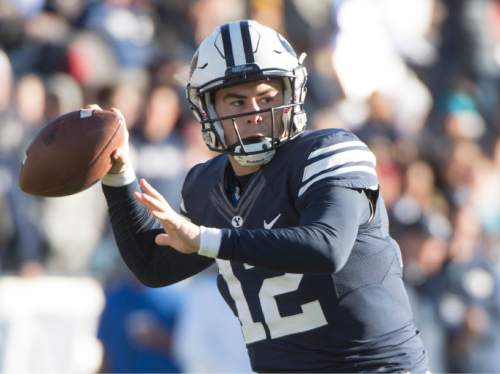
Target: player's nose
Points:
(254, 119)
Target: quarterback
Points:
(293, 218)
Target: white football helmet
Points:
(239, 52)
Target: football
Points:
(71, 153)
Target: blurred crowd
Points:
(417, 80)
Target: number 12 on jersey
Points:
(311, 317)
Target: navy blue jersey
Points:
(308, 299)
(306, 262)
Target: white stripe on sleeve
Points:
(338, 159)
(342, 170)
(335, 147)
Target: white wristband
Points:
(210, 239)
(121, 179)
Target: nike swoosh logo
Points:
(269, 225)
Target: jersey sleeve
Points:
(135, 230)
(337, 159)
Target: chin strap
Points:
(256, 159)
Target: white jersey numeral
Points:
(252, 331)
(311, 317)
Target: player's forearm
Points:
(301, 249)
(135, 231)
(321, 243)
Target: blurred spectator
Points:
(380, 123)
(136, 327)
(389, 172)
(269, 13)
(205, 15)
(174, 33)
(30, 102)
(91, 61)
(128, 94)
(72, 226)
(21, 245)
(64, 95)
(324, 89)
(159, 144)
(462, 119)
(424, 256)
(484, 197)
(458, 170)
(421, 201)
(481, 19)
(308, 24)
(470, 300)
(133, 44)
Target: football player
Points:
(292, 218)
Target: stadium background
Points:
(418, 80)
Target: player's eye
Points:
(236, 103)
(267, 100)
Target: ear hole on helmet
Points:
(216, 125)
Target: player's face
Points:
(250, 97)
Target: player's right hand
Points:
(180, 233)
(120, 158)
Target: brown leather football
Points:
(71, 153)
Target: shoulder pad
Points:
(201, 176)
(339, 158)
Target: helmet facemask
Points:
(252, 150)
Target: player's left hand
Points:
(180, 233)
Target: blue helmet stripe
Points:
(247, 42)
(226, 42)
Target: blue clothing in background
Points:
(129, 307)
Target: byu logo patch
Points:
(237, 221)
